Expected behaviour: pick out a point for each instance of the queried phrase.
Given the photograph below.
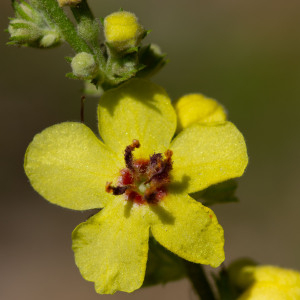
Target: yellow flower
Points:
(196, 108)
(122, 30)
(268, 282)
(141, 178)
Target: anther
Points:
(118, 190)
(128, 154)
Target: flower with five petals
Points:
(140, 179)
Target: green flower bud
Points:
(30, 28)
(122, 30)
(23, 31)
(84, 65)
(50, 39)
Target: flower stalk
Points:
(199, 280)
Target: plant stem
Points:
(199, 281)
(82, 12)
(55, 15)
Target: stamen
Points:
(143, 181)
(128, 154)
(118, 190)
(162, 168)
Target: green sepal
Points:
(162, 266)
(68, 59)
(153, 60)
(219, 193)
(21, 25)
(20, 13)
(72, 76)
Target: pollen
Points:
(143, 181)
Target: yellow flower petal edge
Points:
(138, 109)
(111, 248)
(197, 108)
(69, 166)
(270, 282)
(190, 230)
(206, 155)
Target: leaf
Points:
(219, 193)
(162, 266)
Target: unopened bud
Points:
(122, 30)
(196, 108)
(84, 65)
(23, 31)
(50, 39)
(68, 2)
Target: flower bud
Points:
(23, 31)
(50, 39)
(68, 2)
(122, 30)
(30, 28)
(84, 65)
(196, 108)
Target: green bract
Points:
(70, 166)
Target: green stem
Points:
(199, 281)
(82, 12)
(55, 15)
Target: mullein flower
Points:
(140, 179)
(267, 282)
(197, 108)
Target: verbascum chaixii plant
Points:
(152, 171)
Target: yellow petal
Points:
(196, 108)
(111, 248)
(268, 282)
(266, 291)
(205, 155)
(69, 166)
(138, 109)
(189, 229)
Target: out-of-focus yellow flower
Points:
(196, 108)
(140, 189)
(269, 283)
(122, 30)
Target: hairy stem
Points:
(55, 15)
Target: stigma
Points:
(143, 181)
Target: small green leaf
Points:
(219, 193)
(68, 59)
(72, 76)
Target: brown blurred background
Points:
(246, 54)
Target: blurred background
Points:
(246, 54)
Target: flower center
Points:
(143, 181)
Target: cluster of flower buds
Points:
(106, 64)
(30, 28)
